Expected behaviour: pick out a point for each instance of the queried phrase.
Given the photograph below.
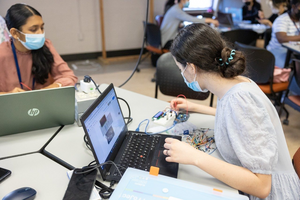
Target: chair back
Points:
(243, 36)
(153, 36)
(259, 63)
(159, 19)
(170, 82)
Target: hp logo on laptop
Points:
(33, 112)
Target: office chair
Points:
(159, 19)
(170, 82)
(260, 68)
(243, 36)
(153, 42)
(292, 100)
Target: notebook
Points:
(110, 140)
(137, 184)
(225, 19)
(36, 109)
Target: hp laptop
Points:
(225, 20)
(110, 140)
(36, 109)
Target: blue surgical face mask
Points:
(187, 4)
(193, 85)
(33, 41)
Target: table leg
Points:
(287, 58)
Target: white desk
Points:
(291, 47)
(27, 142)
(48, 178)
(69, 146)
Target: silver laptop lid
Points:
(37, 109)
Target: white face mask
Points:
(274, 10)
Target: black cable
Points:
(86, 142)
(142, 49)
(129, 119)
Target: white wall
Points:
(74, 25)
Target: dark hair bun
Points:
(233, 63)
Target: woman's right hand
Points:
(180, 104)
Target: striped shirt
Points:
(283, 23)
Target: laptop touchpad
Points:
(165, 168)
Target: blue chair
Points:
(292, 100)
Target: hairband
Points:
(232, 53)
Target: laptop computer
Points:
(225, 19)
(110, 140)
(36, 109)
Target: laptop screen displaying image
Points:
(104, 133)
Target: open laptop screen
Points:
(104, 124)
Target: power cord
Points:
(142, 49)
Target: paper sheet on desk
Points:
(94, 195)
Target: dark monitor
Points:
(225, 19)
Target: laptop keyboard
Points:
(139, 152)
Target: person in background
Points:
(247, 131)
(278, 7)
(285, 28)
(252, 11)
(173, 17)
(28, 61)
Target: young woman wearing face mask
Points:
(173, 17)
(278, 7)
(247, 130)
(252, 11)
(28, 60)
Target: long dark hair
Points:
(42, 59)
(169, 4)
(203, 46)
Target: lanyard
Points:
(297, 28)
(294, 24)
(18, 68)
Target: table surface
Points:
(43, 174)
(293, 46)
(21, 143)
(48, 178)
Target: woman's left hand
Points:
(180, 152)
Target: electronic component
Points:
(165, 118)
(182, 117)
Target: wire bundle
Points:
(201, 141)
